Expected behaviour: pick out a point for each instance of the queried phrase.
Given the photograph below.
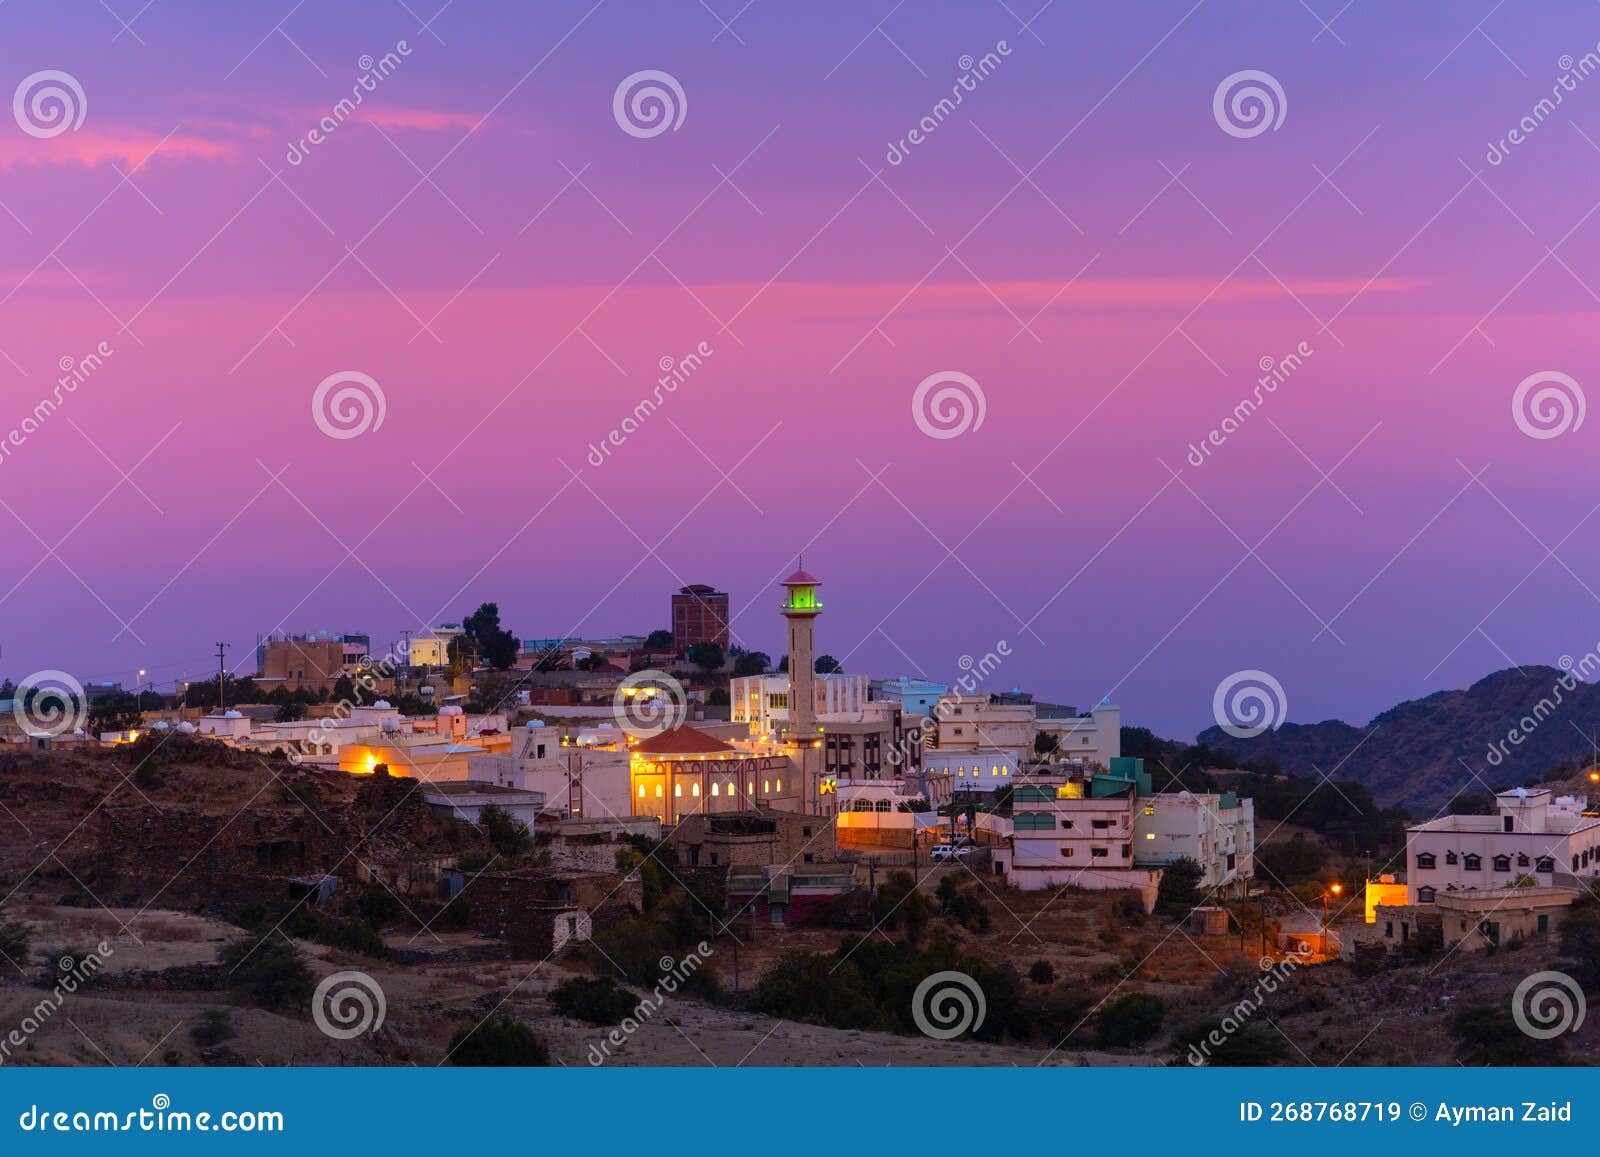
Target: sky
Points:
(1089, 258)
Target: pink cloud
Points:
(130, 147)
(424, 120)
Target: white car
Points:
(949, 852)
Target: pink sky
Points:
(514, 307)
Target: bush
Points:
(498, 1043)
(1042, 972)
(1180, 888)
(271, 971)
(15, 937)
(508, 835)
(596, 1000)
(214, 1027)
(1580, 943)
(1132, 1020)
(1487, 1034)
(1249, 1047)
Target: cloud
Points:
(424, 120)
(128, 147)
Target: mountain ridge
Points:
(1421, 753)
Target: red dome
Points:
(801, 579)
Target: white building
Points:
(579, 780)
(762, 701)
(1215, 831)
(1531, 835)
(1063, 834)
(974, 723)
(1095, 735)
(945, 773)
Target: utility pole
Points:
(222, 674)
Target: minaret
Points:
(801, 608)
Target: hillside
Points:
(1413, 753)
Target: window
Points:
(806, 832)
(1388, 929)
(1149, 835)
(779, 786)
(1426, 895)
(1451, 858)
(1098, 853)
(1066, 823)
(1502, 863)
(715, 790)
(695, 791)
(1425, 861)
(1508, 822)
(1545, 864)
(1472, 862)
(1149, 809)
(1100, 825)
(658, 791)
(641, 791)
(1522, 859)
(677, 789)
(1066, 851)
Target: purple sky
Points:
(1081, 237)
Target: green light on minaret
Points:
(802, 598)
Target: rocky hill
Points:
(1416, 755)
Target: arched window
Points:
(1472, 862)
(1426, 895)
(1425, 860)
(1545, 864)
(1502, 863)
(695, 791)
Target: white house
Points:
(1531, 835)
(1063, 834)
(578, 779)
(1216, 831)
(1094, 735)
(762, 701)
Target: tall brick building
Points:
(699, 615)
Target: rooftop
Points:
(683, 740)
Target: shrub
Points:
(1487, 1034)
(271, 971)
(1580, 943)
(499, 1042)
(1042, 972)
(1248, 1047)
(596, 1000)
(15, 937)
(508, 835)
(214, 1027)
(1180, 888)
(1132, 1020)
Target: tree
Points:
(751, 663)
(1042, 972)
(658, 641)
(8, 690)
(1487, 1034)
(119, 712)
(1180, 887)
(344, 690)
(494, 645)
(1580, 942)
(1046, 743)
(828, 665)
(271, 970)
(498, 1042)
(706, 656)
(597, 1000)
(508, 834)
(1132, 1020)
